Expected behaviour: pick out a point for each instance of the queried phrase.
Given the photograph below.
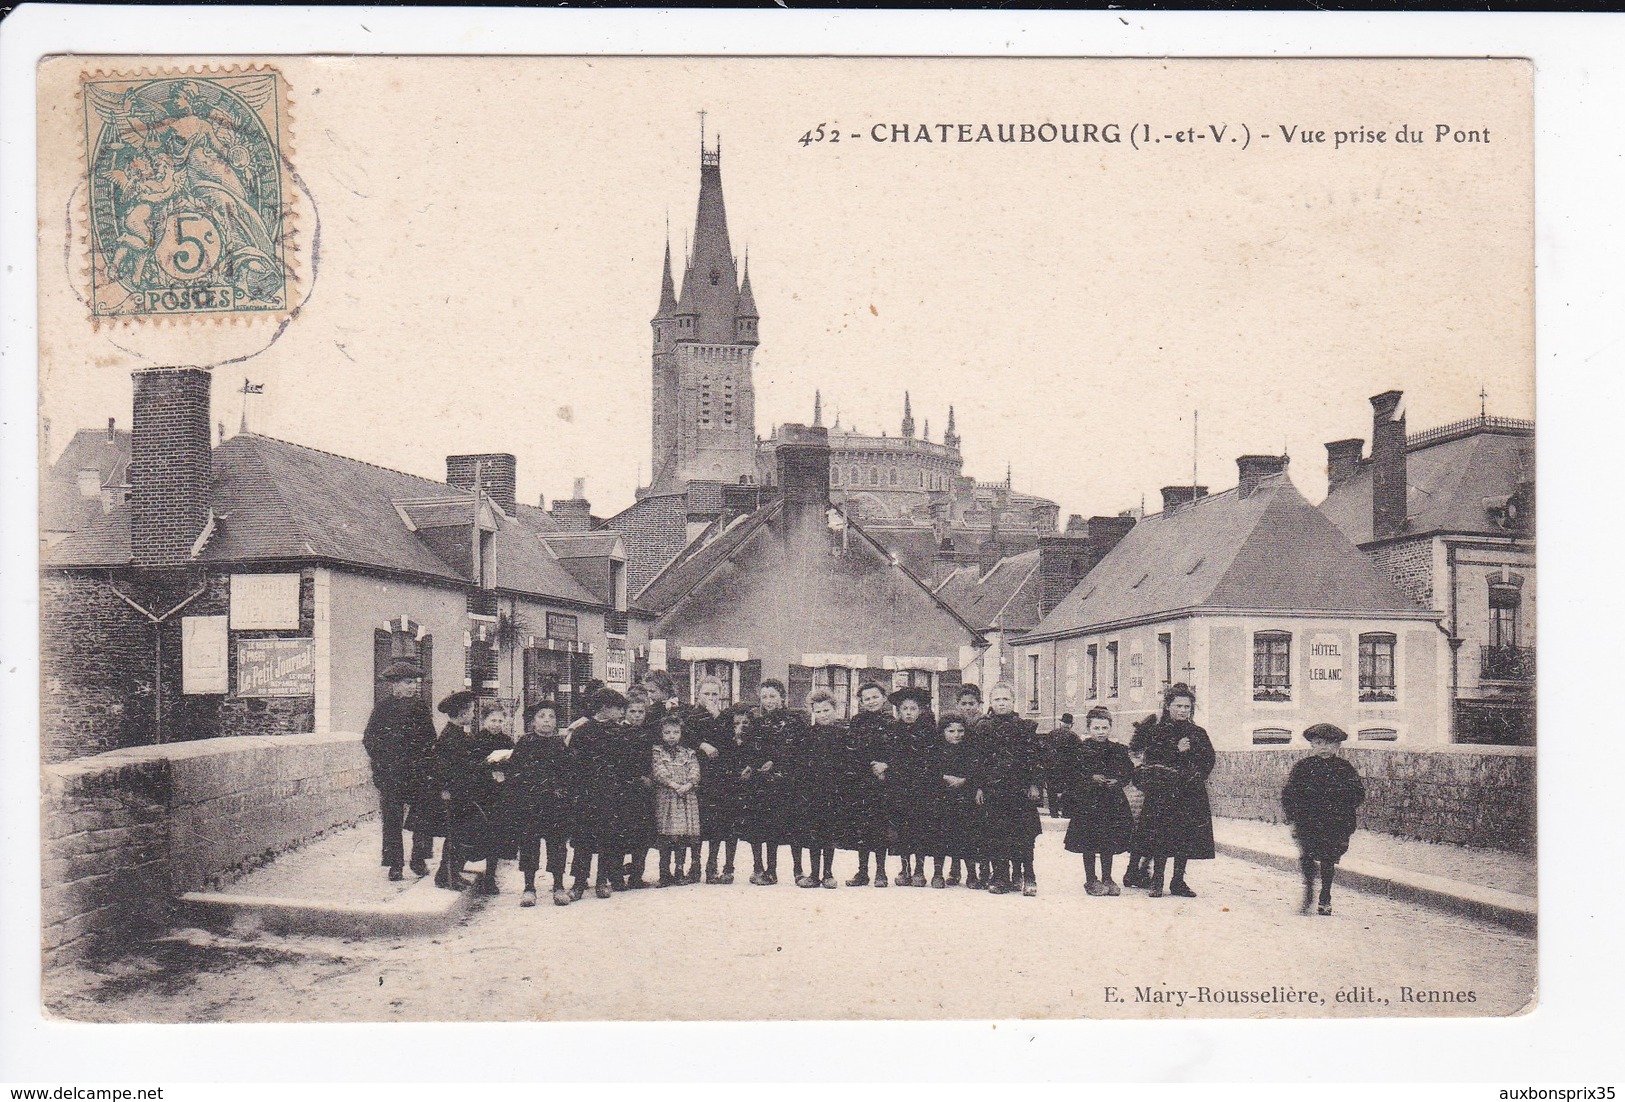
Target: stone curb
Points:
(420, 909)
(1517, 912)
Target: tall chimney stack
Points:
(1253, 469)
(1388, 473)
(1342, 461)
(803, 461)
(498, 475)
(1181, 495)
(170, 464)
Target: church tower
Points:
(704, 416)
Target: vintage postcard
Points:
(723, 538)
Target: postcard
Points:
(700, 538)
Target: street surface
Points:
(739, 952)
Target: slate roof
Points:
(275, 500)
(695, 561)
(1450, 485)
(1270, 551)
(1006, 598)
(62, 507)
(656, 529)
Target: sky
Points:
(491, 232)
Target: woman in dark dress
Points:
(815, 768)
(536, 799)
(1322, 795)
(1175, 820)
(913, 737)
(865, 785)
(948, 809)
(774, 733)
(642, 728)
(1093, 771)
(1011, 756)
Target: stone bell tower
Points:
(704, 415)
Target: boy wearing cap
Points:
(398, 740)
(434, 816)
(601, 825)
(1320, 799)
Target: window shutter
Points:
(948, 685)
(801, 684)
(381, 641)
(426, 660)
(680, 675)
(750, 678)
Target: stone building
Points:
(261, 587)
(1449, 515)
(708, 464)
(1265, 607)
(1009, 599)
(796, 590)
(89, 479)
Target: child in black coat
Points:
(1093, 771)
(1322, 793)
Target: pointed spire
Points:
(747, 301)
(926, 436)
(818, 409)
(711, 290)
(1007, 474)
(951, 438)
(908, 417)
(668, 290)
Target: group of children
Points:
(643, 774)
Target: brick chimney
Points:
(112, 431)
(1342, 461)
(573, 514)
(1253, 469)
(803, 476)
(170, 464)
(1064, 560)
(498, 473)
(1388, 474)
(1181, 495)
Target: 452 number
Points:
(822, 132)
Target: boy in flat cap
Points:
(398, 740)
(1320, 799)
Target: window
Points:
(1272, 666)
(1032, 682)
(1377, 734)
(401, 639)
(837, 680)
(722, 671)
(893, 476)
(1165, 660)
(1505, 599)
(1091, 663)
(1272, 736)
(1111, 669)
(1377, 667)
(853, 476)
(874, 476)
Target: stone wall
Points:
(1410, 564)
(100, 670)
(127, 831)
(1473, 796)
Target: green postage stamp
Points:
(186, 181)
